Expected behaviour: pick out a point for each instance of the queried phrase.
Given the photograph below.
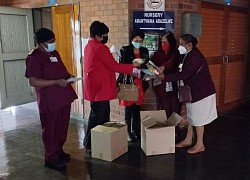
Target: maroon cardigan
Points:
(170, 62)
(202, 85)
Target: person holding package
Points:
(100, 78)
(47, 73)
(129, 53)
(169, 57)
(194, 71)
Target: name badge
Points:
(156, 82)
(53, 59)
(180, 65)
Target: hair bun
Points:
(195, 41)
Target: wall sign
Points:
(154, 5)
(153, 20)
(228, 2)
(52, 2)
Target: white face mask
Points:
(182, 50)
(51, 47)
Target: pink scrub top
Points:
(49, 66)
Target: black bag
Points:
(185, 95)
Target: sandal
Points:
(182, 144)
(194, 150)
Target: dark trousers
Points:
(54, 131)
(99, 114)
(133, 118)
(170, 103)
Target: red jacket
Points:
(99, 72)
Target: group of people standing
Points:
(185, 64)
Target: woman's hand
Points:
(136, 72)
(136, 64)
(160, 76)
(71, 76)
(161, 69)
(62, 82)
(42, 83)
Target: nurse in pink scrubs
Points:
(47, 73)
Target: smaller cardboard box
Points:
(158, 132)
(109, 141)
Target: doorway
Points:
(16, 34)
(224, 44)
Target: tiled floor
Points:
(227, 155)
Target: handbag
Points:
(185, 94)
(127, 92)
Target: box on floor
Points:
(109, 141)
(158, 132)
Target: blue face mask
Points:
(51, 47)
(136, 44)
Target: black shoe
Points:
(131, 137)
(135, 135)
(87, 153)
(64, 156)
(55, 164)
(138, 136)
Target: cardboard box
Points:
(158, 132)
(109, 141)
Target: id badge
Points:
(53, 59)
(156, 82)
(169, 87)
(180, 67)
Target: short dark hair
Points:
(189, 38)
(98, 28)
(137, 32)
(171, 40)
(43, 35)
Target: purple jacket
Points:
(202, 85)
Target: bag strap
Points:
(122, 60)
(198, 69)
(125, 79)
(122, 56)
